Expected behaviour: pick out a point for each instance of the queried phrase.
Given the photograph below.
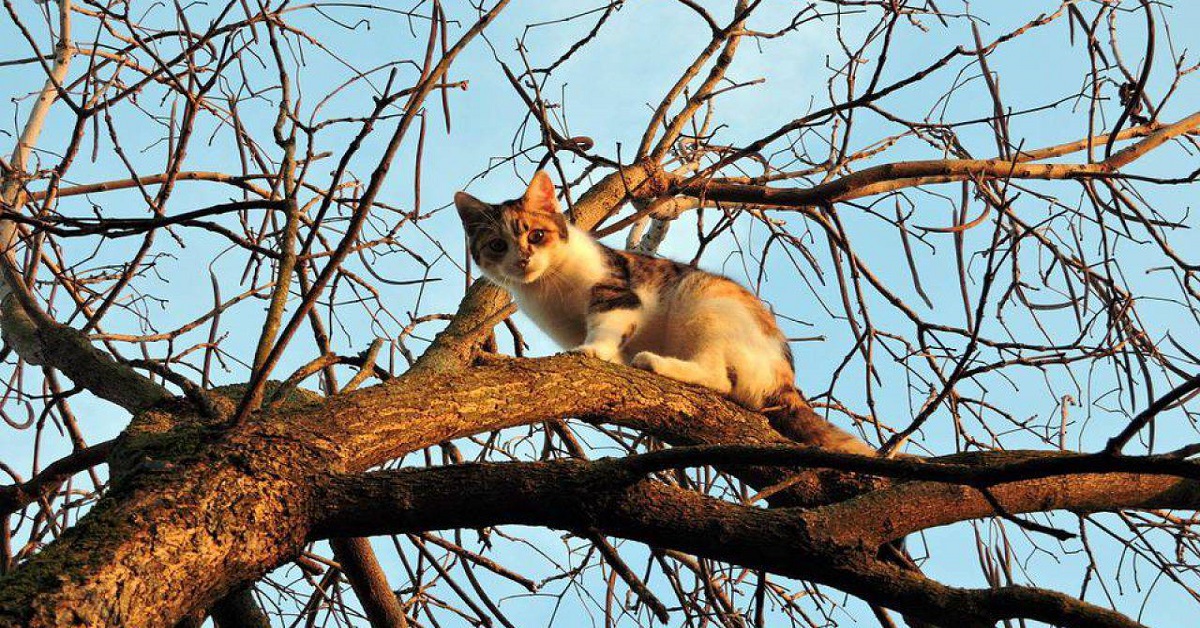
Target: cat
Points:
(648, 312)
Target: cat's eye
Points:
(498, 246)
(536, 236)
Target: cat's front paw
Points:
(603, 352)
(646, 360)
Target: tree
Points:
(992, 276)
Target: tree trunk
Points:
(176, 535)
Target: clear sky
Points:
(607, 92)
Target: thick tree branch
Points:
(895, 512)
(370, 585)
(39, 340)
(603, 496)
(294, 446)
(386, 421)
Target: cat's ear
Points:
(470, 209)
(540, 195)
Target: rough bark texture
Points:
(234, 503)
(605, 497)
(241, 503)
(232, 512)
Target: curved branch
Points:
(895, 512)
(586, 497)
(42, 341)
(16, 496)
(899, 175)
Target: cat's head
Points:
(517, 241)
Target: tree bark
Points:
(234, 504)
(604, 497)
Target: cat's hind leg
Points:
(708, 371)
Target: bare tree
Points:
(229, 314)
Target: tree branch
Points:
(370, 585)
(16, 496)
(39, 340)
(600, 496)
(906, 174)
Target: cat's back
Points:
(647, 273)
(677, 285)
(693, 302)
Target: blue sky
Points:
(607, 92)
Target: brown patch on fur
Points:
(629, 271)
(721, 287)
(657, 272)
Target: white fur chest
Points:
(560, 312)
(558, 302)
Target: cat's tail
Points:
(791, 415)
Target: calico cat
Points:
(648, 312)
